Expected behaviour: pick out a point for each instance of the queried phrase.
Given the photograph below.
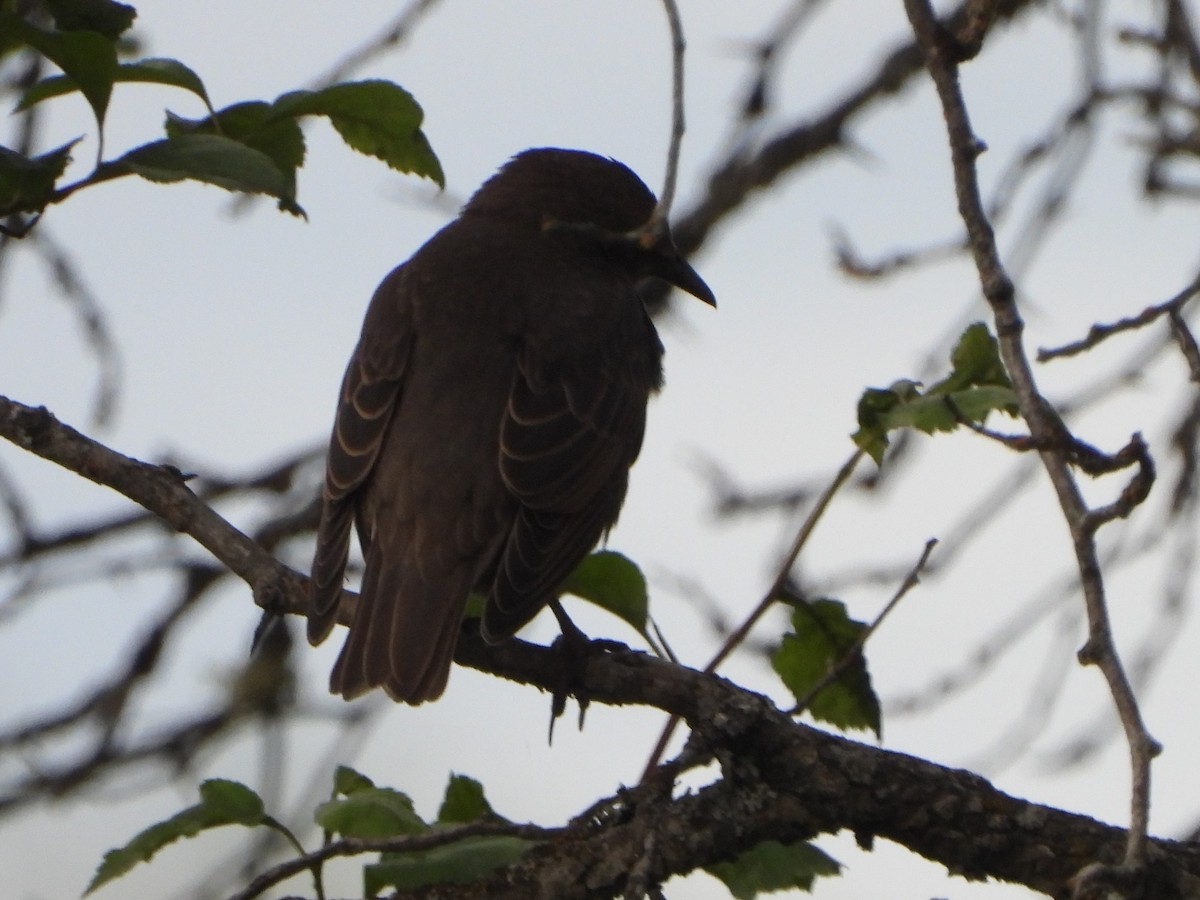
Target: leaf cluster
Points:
(358, 809)
(252, 147)
(977, 385)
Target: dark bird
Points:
(489, 415)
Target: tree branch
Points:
(944, 49)
(160, 489)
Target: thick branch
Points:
(785, 781)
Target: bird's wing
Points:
(369, 396)
(566, 445)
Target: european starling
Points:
(489, 415)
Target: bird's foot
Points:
(573, 648)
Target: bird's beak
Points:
(677, 271)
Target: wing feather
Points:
(370, 394)
(566, 445)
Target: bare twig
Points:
(667, 198)
(1186, 341)
(87, 308)
(943, 52)
(783, 30)
(772, 596)
(1101, 332)
(391, 35)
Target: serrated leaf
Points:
(170, 72)
(976, 386)
(85, 57)
(613, 582)
(464, 802)
(375, 117)
(221, 803)
(771, 866)
(209, 158)
(822, 634)
(104, 16)
(27, 185)
(371, 813)
(456, 863)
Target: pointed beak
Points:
(676, 270)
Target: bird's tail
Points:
(404, 633)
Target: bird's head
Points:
(596, 198)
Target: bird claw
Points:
(573, 648)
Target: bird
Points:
(489, 415)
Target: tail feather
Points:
(431, 667)
(351, 676)
(403, 635)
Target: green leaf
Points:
(976, 386)
(370, 812)
(230, 802)
(104, 16)
(376, 117)
(975, 360)
(221, 803)
(976, 402)
(874, 408)
(613, 582)
(87, 58)
(170, 72)
(209, 158)
(253, 124)
(822, 634)
(347, 781)
(464, 802)
(455, 863)
(929, 413)
(27, 185)
(771, 866)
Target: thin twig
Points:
(1186, 341)
(778, 587)
(678, 46)
(1101, 332)
(391, 35)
